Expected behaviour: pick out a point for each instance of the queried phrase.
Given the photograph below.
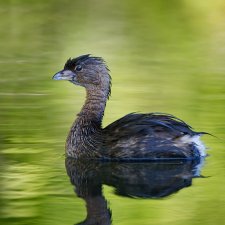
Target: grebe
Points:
(134, 136)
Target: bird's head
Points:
(87, 71)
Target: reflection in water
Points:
(141, 180)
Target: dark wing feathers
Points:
(134, 123)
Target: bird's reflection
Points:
(139, 180)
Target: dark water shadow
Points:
(153, 180)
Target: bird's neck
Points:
(94, 107)
(86, 132)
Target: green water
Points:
(165, 56)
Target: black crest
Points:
(71, 63)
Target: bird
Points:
(136, 136)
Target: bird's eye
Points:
(78, 68)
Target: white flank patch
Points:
(196, 140)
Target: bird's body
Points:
(134, 136)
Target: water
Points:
(163, 56)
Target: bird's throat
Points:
(85, 136)
(94, 107)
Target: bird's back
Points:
(152, 136)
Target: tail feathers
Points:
(187, 139)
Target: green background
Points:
(164, 56)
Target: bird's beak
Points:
(64, 75)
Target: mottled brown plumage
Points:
(135, 136)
